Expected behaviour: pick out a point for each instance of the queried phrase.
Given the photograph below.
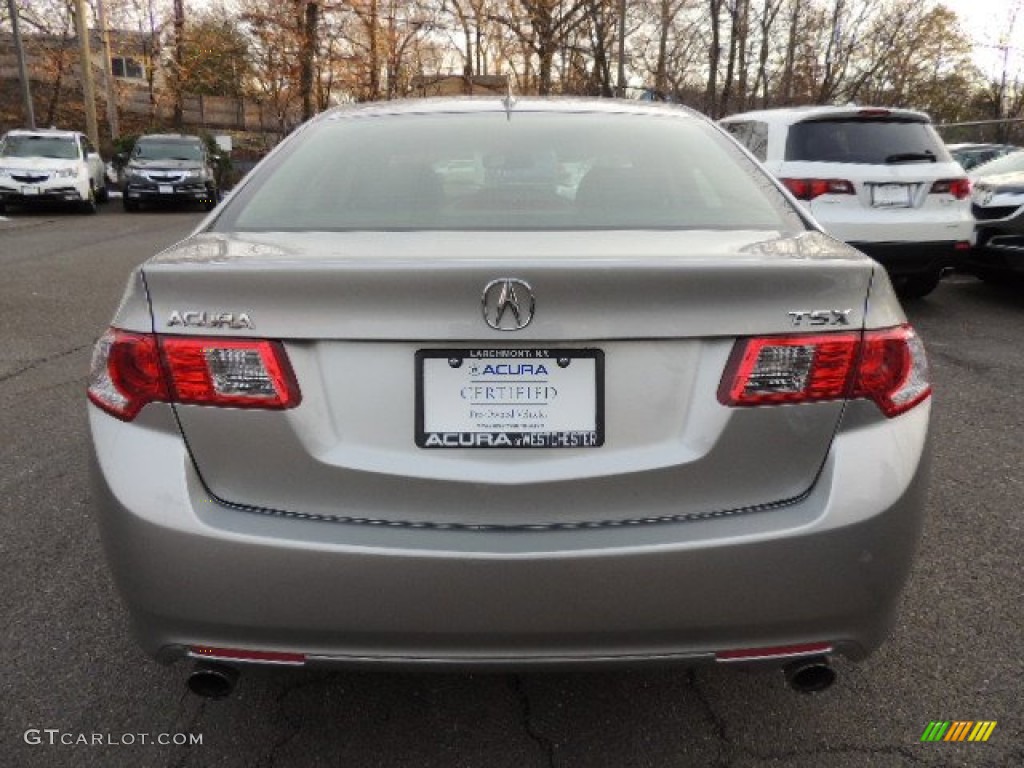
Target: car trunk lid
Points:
(359, 312)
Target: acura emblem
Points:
(508, 304)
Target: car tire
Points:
(918, 287)
(129, 205)
(104, 195)
(89, 204)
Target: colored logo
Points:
(958, 730)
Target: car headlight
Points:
(6, 172)
(134, 174)
(195, 174)
(66, 173)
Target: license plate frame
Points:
(537, 398)
(165, 189)
(31, 191)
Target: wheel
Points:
(918, 287)
(129, 205)
(89, 204)
(104, 195)
(209, 205)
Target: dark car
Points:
(166, 168)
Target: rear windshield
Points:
(859, 140)
(168, 150)
(535, 170)
(57, 147)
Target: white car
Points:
(878, 178)
(51, 166)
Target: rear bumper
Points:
(1001, 253)
(827, 568)
(914, 259)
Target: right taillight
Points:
(893, 370)
(130, 370)
(958, 188)
(886, 366)
(808, 189)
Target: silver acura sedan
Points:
(495, 384)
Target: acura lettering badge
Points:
(508, 304)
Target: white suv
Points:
(38, 166)
(879, 179)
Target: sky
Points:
(987, 23)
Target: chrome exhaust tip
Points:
(212, 681)
(811, 675)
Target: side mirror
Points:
(121, 157)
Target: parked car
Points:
(972, 155)
(1011, 162)
(998, 207)
(879, 179)
(170, 168)
(50, 166)
(364, 418)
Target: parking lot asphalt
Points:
(75, 691)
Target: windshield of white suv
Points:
(57, 147)
(535, 171)
(873, 141)
(168, 150)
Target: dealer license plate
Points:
(165, 189)
(890, 195)
(509, 398)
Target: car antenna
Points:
(510, 100)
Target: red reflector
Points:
(774, 652)
(962, 245)
(808, 189)
(237, 654)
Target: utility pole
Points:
(621, 85)
(88, 89)
(19, 52)
(179, 63)
(108, 75)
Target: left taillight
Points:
(887, 366)
(130, 370)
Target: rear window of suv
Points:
(868, 141)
